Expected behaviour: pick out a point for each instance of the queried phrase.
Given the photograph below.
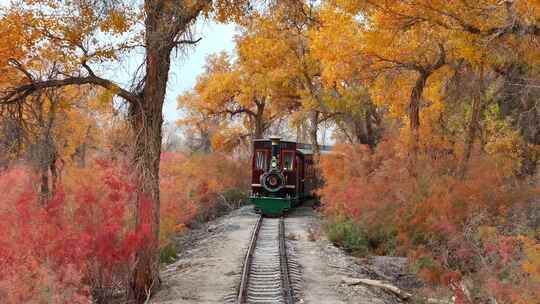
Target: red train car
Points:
(283, 175)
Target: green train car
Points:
(283, 175)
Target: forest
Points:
(433, 108)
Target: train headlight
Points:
(274, 163)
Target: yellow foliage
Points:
(485, 233)
(531, 265)
(342, 32)
(117, 22)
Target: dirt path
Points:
(319, 282)
(326, 266)
(208, 271)
(209, 268)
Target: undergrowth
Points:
(475, 234)
(197, 188)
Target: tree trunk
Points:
(47, 163)
(259, 121)
(414, 111)
(414, 119)
(146, 121)
(82, 149)
(55, 173)
(471, 134)
(301, 129)
(44, 184)
(365, 132)
(370, 134)
(477, 107)
(414, 104)
(46, 147)
(313, 128)
(145, 161)
(358, 127)
(206, 142)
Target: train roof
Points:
(306, 149)
(310, 151)
(283, 141)
(309, 147)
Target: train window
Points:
(260, 160)
(288, 158)
(309, 170)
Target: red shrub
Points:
(78, 246)
(436, 218)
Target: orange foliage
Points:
(196, 187)
(448, 226)
(83, 242)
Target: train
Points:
(283, 175)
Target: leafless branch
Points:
(20, 93)
(188, 41)
(19, 67)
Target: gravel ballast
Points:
(208, 268)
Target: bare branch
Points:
(20, 67)
(20, 93)
(187, 41)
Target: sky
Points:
(215, 38)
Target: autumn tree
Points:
(198, 127)
(244, 90)
(48, 129)
(490, 36)
(74, 35)
(278, 38)
(277, 73)
(398, 58)
(302, 28)
(357, 119)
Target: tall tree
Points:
(278, 38)
(81, 35)
(496, 36)
(387, 52)
(248, 89)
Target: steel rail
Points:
(286, 292)
(247, 261)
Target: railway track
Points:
(265, 273)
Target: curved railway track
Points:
(265, 273)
